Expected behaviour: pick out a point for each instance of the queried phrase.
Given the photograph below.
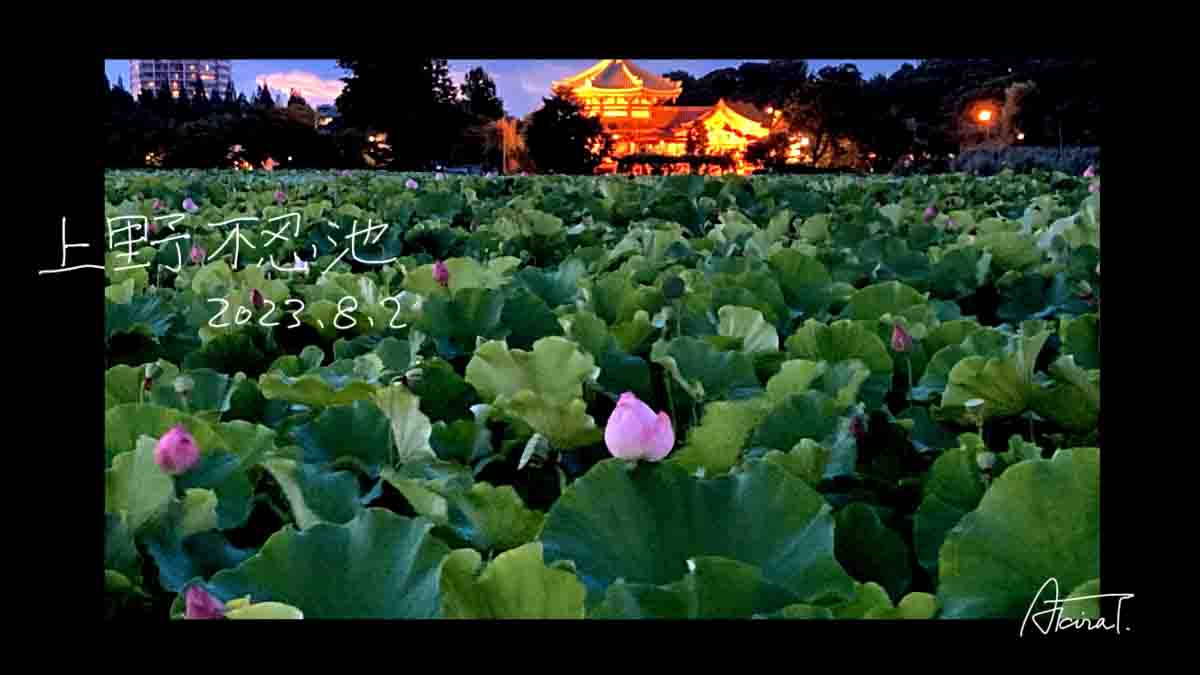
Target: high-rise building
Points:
(149, 75)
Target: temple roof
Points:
(747, 110)
(621, 75)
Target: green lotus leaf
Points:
(806, 460)
(705, 372)
(1005, 384)
(871, 601)
(182, 559)
(616, 298)
(809, 415)
(1073, 402)
(757, 289)
(642, 524)
(871, 551)
(444, 394)
(378, 566)
(228, 353)
(556, 287)
(619, 371)
(716, 443)
(843, 380)
(890, 297)
(515, 585)
(528, 319)
(464, 273)
(935, 377)
(199, 512)
(713, 588)
(213, 280)
(806, 284)
(953, 488)
(410, 427)
(1081, 338)
(341, 383)
(949, 333)
(631, 335)
(1010, 250)
(748, 324)
(226, 475)
(123, 384)
(565, 425)
(135, 487)
(358, 432)
(123, 292)
(316, 496)
(925, 434)
(120, 552)
(795, 376)
(211, 391)
(1079, 604)
(554, 370)
(147, 315)
(959, 272)
(1039, 520)
(845, 341)
(456, 322)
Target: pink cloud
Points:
(315, 90)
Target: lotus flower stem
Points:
(908, 362)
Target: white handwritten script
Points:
(1056, 621)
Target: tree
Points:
(479, 96)
(769, 151)
(412, 100)
(561, 139)
(264, 98)
(200, 103)
(827, 109)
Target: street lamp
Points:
(985, 118)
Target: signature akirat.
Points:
(1056, 621)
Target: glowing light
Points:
(985, 115)
(1021, 136)
(370, 139)
(289, 158)
(770, 110)
(804, 141)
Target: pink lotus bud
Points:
(930, 213)
(280, 196)
(410, 184)
(190, 206)
(1089, 172)
(202, 605)
(152, 227)
(951, 223)
(634, 432)
(1094, 187)
(176, 451)
(256, 298)
(156, 205)
(197, 255)
(441, 273)
(901, 340)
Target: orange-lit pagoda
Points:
(635, 108)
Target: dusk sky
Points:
(520, 83)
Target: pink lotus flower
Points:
(410, 184)
(197, 254)
(280, 196)
(256, 298)
(441, 273)
(190, 206)
(930, 213)
(634, 432)
(152, 227)
(176, 451)
(901, 340)
(156, 205)
(1089, 172)
(202, 605)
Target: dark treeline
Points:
(407, 114)
(918, 110)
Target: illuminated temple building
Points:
(635, 107)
